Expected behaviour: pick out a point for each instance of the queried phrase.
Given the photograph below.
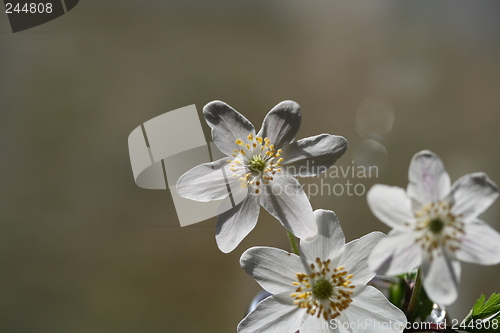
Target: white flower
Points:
(263, 167)
(435, 225)
(323, 290)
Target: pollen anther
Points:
(257, 156)
(323, 293)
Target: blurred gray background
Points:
(83, 249)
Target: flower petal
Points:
(228, 125)
(391, 205)
(440, 278)
(314, 155)
(480, 244)
(472, 195)
(371, 312)
(275, 314)
(207, 181)
(328, 243)
(356, 254)
(281, 124)
(285, 199)
(274, 269)
(236, 223)
(395, 254)
(429, 181)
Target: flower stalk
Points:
(293, 243)
(414, 296)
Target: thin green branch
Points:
(293, 243)
(414, 296)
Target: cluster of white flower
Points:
(324, 287)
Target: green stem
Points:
(414, 296)
(293, 243)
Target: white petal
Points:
(314, 155)
(356, 254)
(275, 314)
(440, 278)
(391, 205)
(480, 244)
(207, 181)
(236, 223)
(228, 125)
(285, 199)
(472, 195)
(328, 243)
(371, 312)
(281, 124)
(395, 254)
(429, 181)
(274, 269)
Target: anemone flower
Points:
(323, 290)
(435, 225)
(262, 166)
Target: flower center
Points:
(256, 162)
(437, 226)
(324, 292)
(322, 289)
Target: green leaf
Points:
(483, 309)
(485, 313)
(424, 305)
